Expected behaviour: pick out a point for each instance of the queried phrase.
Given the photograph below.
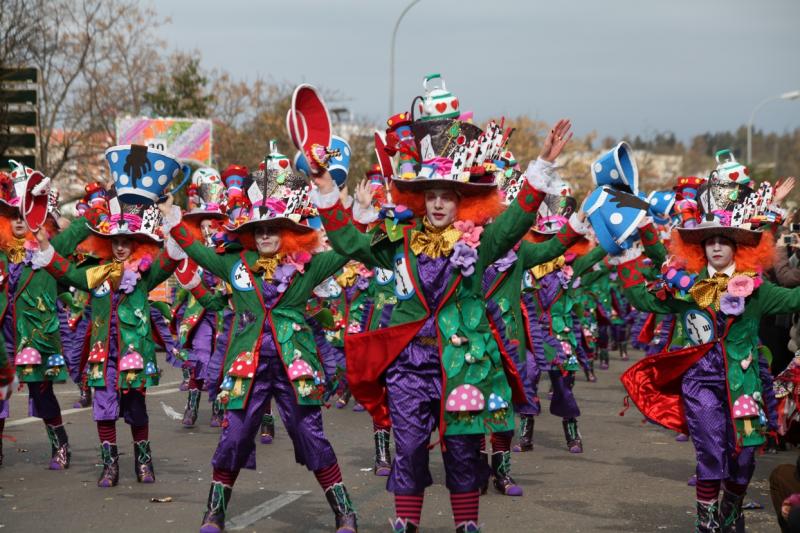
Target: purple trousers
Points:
(303, 423)
(414, 408)
(202, 345)
(563, 403)
(712, 433)
(110, 404)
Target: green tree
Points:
(184, 93)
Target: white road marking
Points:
(170, 412)
(64, 412)
(263, 510)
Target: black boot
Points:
(267, 428)
(143, 463)
(383, 455)
(85, 398)
(573, 436)
(214, 518)
(623, 351)
(468, 527)
(343, 510)
(60, 454)
(707, 518)
(501, 475)
(589, 371)
(344, 399)
(192, 406)
(110, 475)
(216, 414)
(187, 375)
(525, 443)
(731, 516)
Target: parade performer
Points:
(439, 363)
(31, 320)
(271, 351)
(122, 360)
(718, 388)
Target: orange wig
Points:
(755, 258)
(480, 208)
(101, 247)
(291, 241)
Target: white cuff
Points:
(537, 173)
(324, 201)
(364, 216)
(628, 255)
(348, 201)
(581, 227)
(41, 259)
(645, 221)
(174, 251)
(171, 220)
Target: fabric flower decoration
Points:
(283, 275)
(362, 283)
(145, 263)
(354, 327)
(299, 260)
(731, 305)
(506, 262)
(757, 281)
(464, 257)
(564, 276)
(128, 281)
(470, 233)
(741, 285)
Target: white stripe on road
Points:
(263, 510)
(170, 412)
(64, 412)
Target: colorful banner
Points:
(185, 138)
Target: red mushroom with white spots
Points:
(29, 357)
(745, 408)
(243, 367)
(97, 357)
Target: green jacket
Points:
(293, 336)
(35, 312)
(132, 312)
(478, 362)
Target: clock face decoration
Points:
(698, 327)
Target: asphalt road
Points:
(631, 476)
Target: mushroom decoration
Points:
(150, 369)
(54, 364)
(301, 372)
(497, 406)
(29, 357)
(225, 390)
(131, 363)
(745, 408)
(243, 367)
(465, 399)
(97, 358)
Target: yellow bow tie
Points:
(111, 272)
(349, 275)
(434, 242)
(706, 292)
(267, 265)
(16, 251)
(540, 271)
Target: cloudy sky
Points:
(616, 66)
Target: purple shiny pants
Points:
(303, 423)
(415, 406)
(110, 404)
(712, 433)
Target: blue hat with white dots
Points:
(141, 174)
(496, 403)
(617, 168)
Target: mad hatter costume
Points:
(122, 360)
(439, 361)
(31, 324)
(271, 351)
(718, 388)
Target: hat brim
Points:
(7, 209)
(134, 235)
(202, 213)
(701, 233)
(425, 184)
(276, 223)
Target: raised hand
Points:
(558, 137)
(42, 238)
(364, 194)
(782, 189)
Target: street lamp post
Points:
(391, 55)
(791, 95)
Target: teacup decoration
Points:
(141, 174)
(617, 168)
(438, 102)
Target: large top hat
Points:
(615, 216)
(452, 153)
(210, 195)
(12, 187)
(141, 174)
(278, 197)
(338, 164)
(140, 222)
(309, 124)
(29, 194)
(687, 187)
(617, 168)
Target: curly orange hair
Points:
(480, 208)
(7, 237)
(291, 241)
(755, 258)
(101, 247)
